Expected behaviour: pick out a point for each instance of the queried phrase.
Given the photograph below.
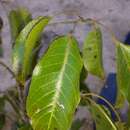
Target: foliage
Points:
(56, 81)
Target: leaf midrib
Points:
(59, 85)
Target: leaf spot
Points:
(62, 106)
(36, 70)
(38, 110)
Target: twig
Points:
(5, 66)
(11, 72)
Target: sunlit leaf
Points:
(54, 91)
(123, 69)
(92, 52)
(24, 56)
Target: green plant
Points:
(57, 79)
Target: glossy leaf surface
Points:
(54, 91)
(92, 52)
(24, 56)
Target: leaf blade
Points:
(92, 52)
(59, 97)
(23, 56)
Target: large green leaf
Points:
(101, 117)
(54, 92)
(24, 55)
(18, 19)
(92, 52)
(123, 69)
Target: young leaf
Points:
(18, 19)
(92, 52)
(23, 52)
(54, 92)
(123, 69)
(101, 117)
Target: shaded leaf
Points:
(51, 105)
(18, 19)
(101, 117)
(24, 56)
(92, 52)
(2, 120)
(2, 115)
(25, 127)
(2, 103)
(1, 23)
(1, 48)
(121, 126)
(123, 71)
(83, 76)
(77, 124)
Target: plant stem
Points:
(102, 98)
(15, 107)
(10, 71)
(5, 66)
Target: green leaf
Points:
(24, 56)
(92, 52)
(77, 124)
(54, 92)
(2, 120)
(121, 126)
(25, 127)
(123, 69)
(18, 19)
(2, 115)
(2, 103)
(101, 117)
(1, 23)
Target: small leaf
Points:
(101, 117)
(2, 120)
(18, 19)
(92, 52)
(2, 115)
(1, 23)
(54, 92)
(77, 124)
(25, 127)
(2, 103)
(121, 126)
(123, 71)
(24, 57)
